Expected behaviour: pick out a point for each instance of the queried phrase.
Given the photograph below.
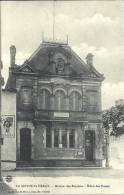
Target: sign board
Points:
(60, 145)
(8, 125)
(61, 114)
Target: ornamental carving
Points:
(60, 65)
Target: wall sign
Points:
(8, 125)
(61, 114)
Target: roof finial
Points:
(42, 36)
(54, 19)
(67, 39)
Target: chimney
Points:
(12, 55)
(89, 59)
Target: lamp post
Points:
(107, 138)
(107, 148)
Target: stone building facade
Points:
(58, 107)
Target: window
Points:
(26, 95)
(75, 101)
(60, 100)
(64, 138)
(92, 100)
(48, 138)
(56, 138)
(72, 138)
(45, 99)
(59, 138)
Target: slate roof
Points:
(39, 62)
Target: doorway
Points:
(89, 145)
(25, 144)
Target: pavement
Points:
(92, 181)
(62, 172)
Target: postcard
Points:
(62, 97)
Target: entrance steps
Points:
(56, 163)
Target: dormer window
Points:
(60, 65)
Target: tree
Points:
(115, 117)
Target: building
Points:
(8, 124)
(59, 120)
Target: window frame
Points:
(60, 134)
(45, 99)
(60, 100)
(75, 102)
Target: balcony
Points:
(64, 115)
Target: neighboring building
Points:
(59, 121)
(8, 125)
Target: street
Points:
(61, 181)
(81, 172)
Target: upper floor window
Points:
(92, 99)
(26, 95)
(45, 99)
(75, 101)
(60, 101)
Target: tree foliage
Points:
(115, 117)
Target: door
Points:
(25, 144)
(89, 145)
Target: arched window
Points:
(45, 99)
(60, 102)
(75, 101)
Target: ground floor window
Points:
(48, 138)
(64, 138)
(72, 138)
(59, 138)
(56, 137)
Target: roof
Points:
(44, 59)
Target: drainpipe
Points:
(1, 84)
(0, 100)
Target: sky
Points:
(91, 26)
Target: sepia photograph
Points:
(62, 97)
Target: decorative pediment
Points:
(92, 75)
(26, 68)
